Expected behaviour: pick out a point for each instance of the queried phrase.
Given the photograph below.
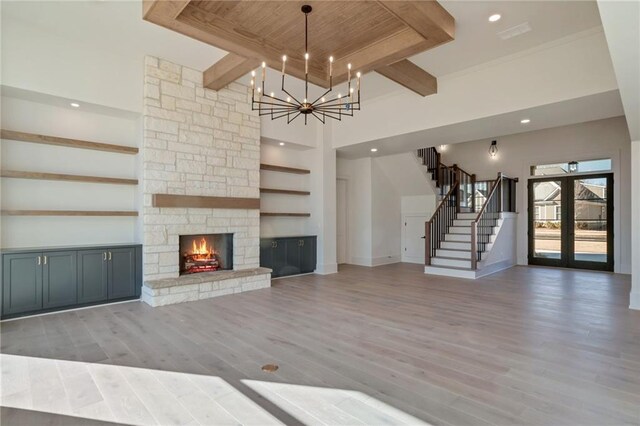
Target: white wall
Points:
(593, 140)
(376, 199)
(42, 61)
(546, 74)
(386, 217)
(44, 118)
(635, 226)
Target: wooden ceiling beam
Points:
(227, 70)
(411, 76)
(427, 18)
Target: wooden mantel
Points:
(204, 202)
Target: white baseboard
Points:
(413, 259)
(385, 260)
(494, 267)
(326, 269)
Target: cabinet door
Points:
(266, 255)
(59, 283)
(279, 258)
(294, 256)
(122, 272)
(92, 276)
(21, 283)
(308, 255)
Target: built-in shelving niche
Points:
(283, 169)
(69, 143)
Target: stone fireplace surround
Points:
(203, 143)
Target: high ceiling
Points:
(117, 26)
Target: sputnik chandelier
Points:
(291, 107)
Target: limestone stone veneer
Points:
(205, 285)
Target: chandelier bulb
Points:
(253, 73)
(306, 56)
(331, 59)
(264, 64)
(358, 74)
(288, 99)
(305, 100)
(339, 95)
(259, 90)
(323, 100)
(271, 94)
(349, 66)
(351, 90)
(284, 58)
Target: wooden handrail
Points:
(486, 201)
(446, 197)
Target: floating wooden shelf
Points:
(283, 191)
(68, 213)
(283, 169)
(266, 214)
(203, 202)
(71, 143)
(68, 178)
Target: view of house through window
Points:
(587, 166)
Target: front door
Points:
(571, 221)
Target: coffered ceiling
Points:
(370, 35)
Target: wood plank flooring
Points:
(369, 346)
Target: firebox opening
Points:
(206, 253)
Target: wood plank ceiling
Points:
(371, 35)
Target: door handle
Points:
(45, 260)
(109, 256)
(105, 256)
(39, 260)
(422, 237)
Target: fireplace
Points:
(206, 253)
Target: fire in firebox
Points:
(201, 258)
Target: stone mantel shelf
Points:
(205, 277)
(204, 202)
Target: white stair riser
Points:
(455, 245)
(440, 271)
(436, 261)
(458, 237)
(467, 216)
(460, 230)
(454, 253)
(462, 222)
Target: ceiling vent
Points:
(515, 31)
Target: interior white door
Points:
(341, 220)
(413, 251)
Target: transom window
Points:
(602, 165)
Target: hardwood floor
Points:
(524, 346)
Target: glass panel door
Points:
(591, 232)
(571, 222)
(546, 206)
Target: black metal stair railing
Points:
(500, 198)
(438, 226)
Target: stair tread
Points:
(461, 250)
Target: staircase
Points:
(470, 213)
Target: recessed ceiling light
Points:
(374, 149)
(75, 105)
(281, 143)
(495, 17)
(525, 121)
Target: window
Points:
(558, 212)
(586, 166)
(537, 213)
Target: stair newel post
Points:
(473, 192)
(474, 245)
(500, 192)
(427, 243)
(456, 182)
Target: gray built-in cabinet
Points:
(288, 255)
(50, 279)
